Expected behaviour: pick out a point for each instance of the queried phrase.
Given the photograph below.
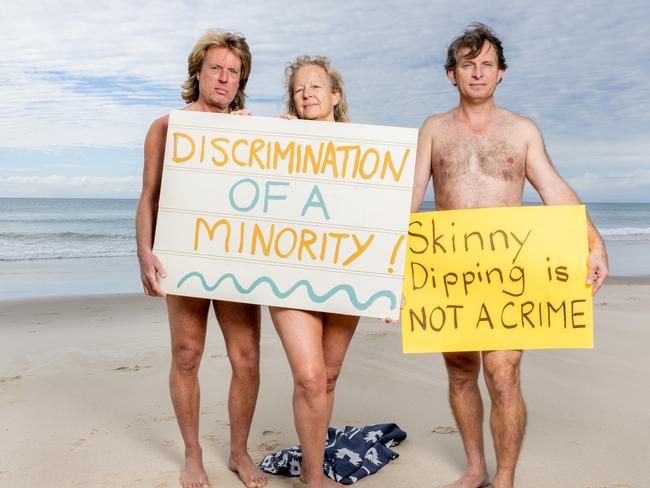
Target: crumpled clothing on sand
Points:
(350, 454)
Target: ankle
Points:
(239, 455)
(504, 479)
(478, 468)
(193, 452)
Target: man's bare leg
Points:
(338, 330)
(240, 325)
(187, 320)
(301, 333)
(508, 415)
(467, 406)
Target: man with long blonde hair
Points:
(218, 70)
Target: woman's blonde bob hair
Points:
(336, 84)
(217, 38)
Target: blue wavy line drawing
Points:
(274, 287)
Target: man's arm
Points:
(555, 191)
(422, 173)
(145, 220)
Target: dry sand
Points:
(84, 400)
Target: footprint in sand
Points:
(7, 379)
(164, 419)
(267, 446)
(444, 430)
(131, 368)
(270, 444)
(377, 335)
(221, 441)
(79, 442)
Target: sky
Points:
(82, 81)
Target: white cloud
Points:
(66, 186)
(608, 153)
(607, 187)
(77, 75)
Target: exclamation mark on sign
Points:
(394, 255)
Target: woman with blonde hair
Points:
(315, 342)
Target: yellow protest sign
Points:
(497, 279)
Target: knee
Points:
(503, 382)
(463, 370)
(245, 360)
(310, 382)
(187, 358)
(332, 377)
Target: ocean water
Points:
(78, 246)
(67, 246)
(62, 228)
(616, 222)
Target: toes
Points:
(257, 483)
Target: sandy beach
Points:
(84, 399)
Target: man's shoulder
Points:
(157, 133)
(161, 122)
(158, 128)
(520, 121)
(436, 121)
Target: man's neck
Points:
(476, 113)
(201, 106)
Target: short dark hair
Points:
(473, 38)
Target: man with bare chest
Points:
(479, 155)
(218, 70)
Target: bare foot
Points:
(194, 475)
(248, 472)
(471, 480)
(323, 482)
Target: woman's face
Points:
(312, 94)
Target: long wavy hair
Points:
(237, 44)
(341, 113)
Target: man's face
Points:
(219, 78)
(477, 78)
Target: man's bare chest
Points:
(495, 155)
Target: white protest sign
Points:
(293, 213)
